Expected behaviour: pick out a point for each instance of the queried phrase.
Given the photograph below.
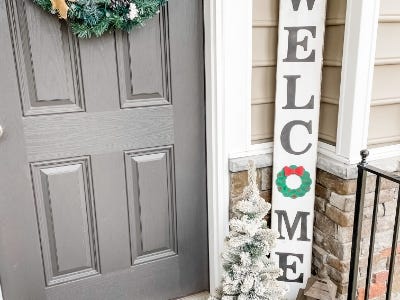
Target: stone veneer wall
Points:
(333, 225)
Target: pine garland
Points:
(249, 272)
(89, 18)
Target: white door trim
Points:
(228, 39)
(217, 158)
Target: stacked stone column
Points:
(333, 233)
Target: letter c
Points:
(285, 136)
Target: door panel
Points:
(102, 167)
(63, 192)
(151, 200)
(49, 83)
(146, 50)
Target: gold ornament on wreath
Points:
(61, 6)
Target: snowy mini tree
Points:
(249, 274)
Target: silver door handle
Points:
(1, 131)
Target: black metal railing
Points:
(363, 170)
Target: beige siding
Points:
(265, 42)
(265, 36)
(384, 126)
(332, 68)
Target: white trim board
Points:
(357, 76)
(217, 168)
(228, 93)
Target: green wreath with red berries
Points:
(89, 18)
(304, 187)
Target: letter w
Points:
(296, 4)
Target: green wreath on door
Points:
(89, 18)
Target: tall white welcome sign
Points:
(300, 49)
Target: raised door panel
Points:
(47, 59)
(65, 210)
(143, 64)
(151, 201)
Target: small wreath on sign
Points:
(304, 187)
(89, 18)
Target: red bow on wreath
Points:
(299, 171)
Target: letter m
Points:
(291, 229)
(296, 4)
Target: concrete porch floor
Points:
(199, 296)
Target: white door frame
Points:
(228, 91)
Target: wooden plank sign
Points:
(298, 89)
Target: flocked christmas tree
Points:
(249, 273)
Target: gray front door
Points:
(102, 160)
